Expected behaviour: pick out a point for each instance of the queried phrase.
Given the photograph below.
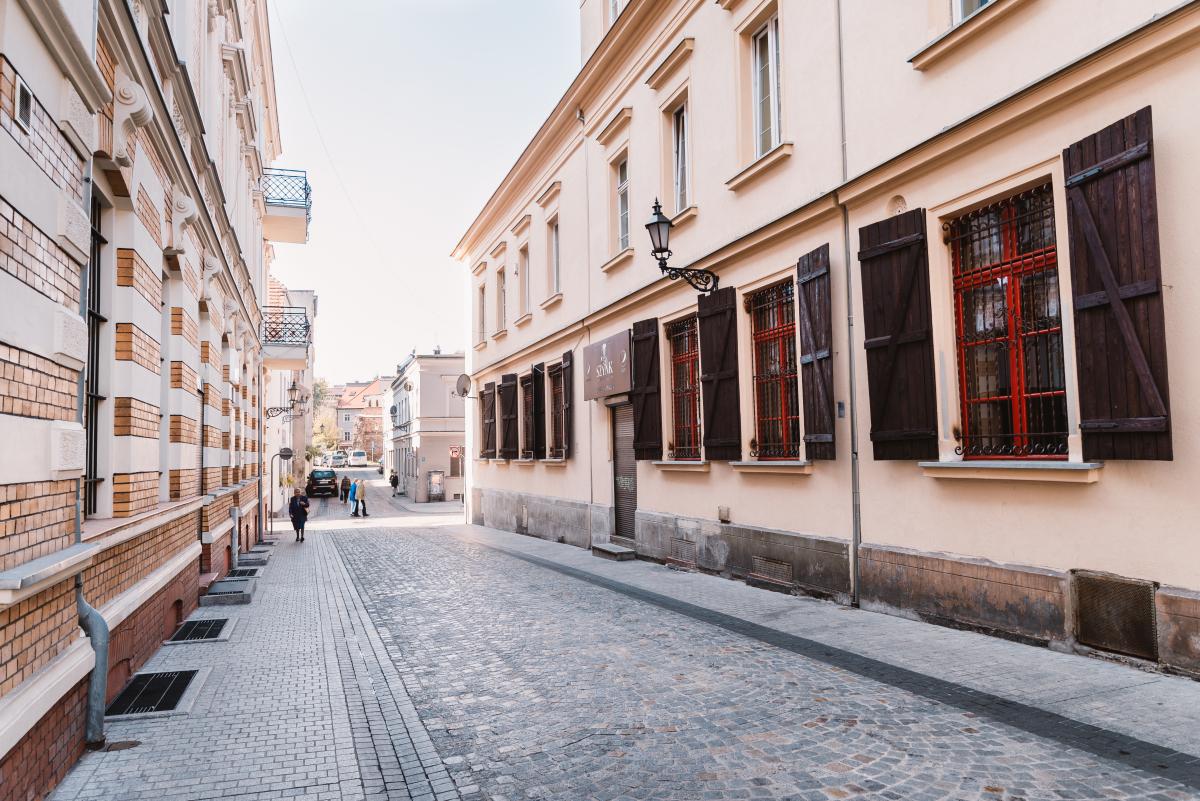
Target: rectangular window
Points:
(555, 273)
(557, 412)
(501, 300)
(684, 339)
(527, 433)
(776, 389)
(1009, 321)
(623, 204)
(766, 87)
(679, 156)
(92, 396)
(481, 315)
(525, 283)
(614, 9)
(24, 116)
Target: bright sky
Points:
(406, 114)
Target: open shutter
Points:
(509, 446)
(896, 324)
(568, 379)
(539, 411)
(1116, 284)
(645, 392)
(717, 317)
(487, 400)
(816, 352)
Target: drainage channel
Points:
(152, 692)
(200, 630)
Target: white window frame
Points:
(680, 153)
(523, 278)
(770, 33)
(615, 7)
(501, 299)
(555, 258)
(481, 311)
(960, 13)
(622, 200)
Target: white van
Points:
(358, 458)
(338, 460)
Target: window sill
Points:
(685, 216)
(524, 318)
(480, 345)
(682, 465)
(554, 462)
(1015, 470)
(789, 467)
(551, 301)
(762, 165)
(524, 462)
(499, 335)
(499, 461)
(962, 33)
(619, 260)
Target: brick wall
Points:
(184, 429)
(32, 386)
(148, 213)
(134, 492)
(182, 325)
(132, 271)
(212, 479)
(44, 141)
(213, 558)
(213, 438)
(217, 512)
(185, 483)
(135, 418)
(212, 397)
(135, 345)
(120, 567)
(210, 354)
(146, 146)
(32, 257)
(42, 758)
(35, 631)
(35, 519)
(136, 638)
(183, 377)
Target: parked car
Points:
(338, 460)
(358, 458)
(321, 482)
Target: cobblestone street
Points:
(411, 656)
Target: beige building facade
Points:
(424, 426)
(951, 244)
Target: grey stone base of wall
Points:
(1177, 613)
(557, 519)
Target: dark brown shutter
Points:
(717, 315)
(645, 393)
(896, 324)
(1116, 283)
(510, 448)
(539, 411)
(816, 352)
(568, 379)
(487, 404)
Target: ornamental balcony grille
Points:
(285, 325)
(284, 187)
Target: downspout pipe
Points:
(258, 528)
(235, 535)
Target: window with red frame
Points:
(776, 388)
(685, 388)
(556, 411)
(1009, 321)
(527, 432)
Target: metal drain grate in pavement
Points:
(243, 572)
(152, 692)
(195, 630)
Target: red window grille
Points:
(776, 388)
(685, 388)
(1009, 326)
(556, 411)
(527, 417)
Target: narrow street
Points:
(409, 656)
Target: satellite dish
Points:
(463, 386)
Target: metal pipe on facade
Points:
(262, 421)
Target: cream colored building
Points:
(288, 390)
(954, 265)
(424, 425)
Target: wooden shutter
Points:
(568, 380)
(487, 405)
(1116, 284)
(645, 392)
(816, 352)
(539, 411)
(717, 317)
(510, 448)
(896, 324)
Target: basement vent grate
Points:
(152, 692)
(195, 630)
(243, 572)
(683, 551)
(1116, 614)
(772, 570)
(224, 587)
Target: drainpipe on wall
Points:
(262, 421)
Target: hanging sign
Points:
(606, 367)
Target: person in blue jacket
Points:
(353, 503)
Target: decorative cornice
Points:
(522, 225)
(131, 110)
(72, 57)
(550, 194)
(666, 68)
(615, 126)
(183, 214)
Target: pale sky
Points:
(422, 108)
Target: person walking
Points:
(353, 499)
(298, 511)
(362, 496)
(394, 480)
(345, 489)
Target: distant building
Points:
(426, 424)
(360, 399)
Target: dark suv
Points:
(321, 482)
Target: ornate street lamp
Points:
(659, 229)
(293, 397)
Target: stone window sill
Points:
(499, 461)
(685, 216)
(554, 462)
(789, 467)
(1015, 470)
(499, 335)
(682, 465)
(955, 38)
(524, 462)
(619, 260)
(760, 166)
(524, 318)
(480, 345)
(553, 300)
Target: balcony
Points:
(288, 198)
(286, 333)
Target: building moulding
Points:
(22, 708)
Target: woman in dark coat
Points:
(345, 489)
(298, 511)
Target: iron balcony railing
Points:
(288, 188)
(285, 325)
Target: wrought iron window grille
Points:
(776, 376)
(684, 338)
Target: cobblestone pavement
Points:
(409, 656)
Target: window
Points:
(766, 87)
(501, 300)
(346, 417)
(614, 9)
(456, 461)
(24, 107)
(1010, 359)
(523, 278)
(527, 433)
(679, 156)
(345, 436)
(481, 315)
(623, 204)
(776, 389)
(684, 339)
(555, 273)
(965, 8)
(92, 396)
(557, 412)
